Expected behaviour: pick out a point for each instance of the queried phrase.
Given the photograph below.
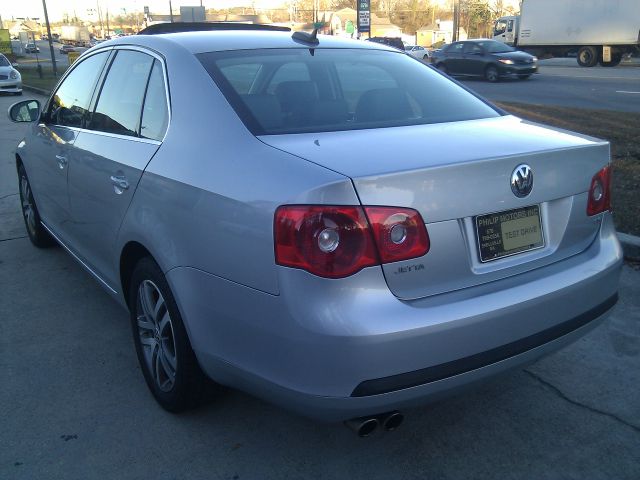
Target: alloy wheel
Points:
(155, 331)
(28, 209)
(492, 74)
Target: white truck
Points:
(597, 31)
(75, 35)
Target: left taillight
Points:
(338, 241)
(600, 192)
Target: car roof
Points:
(211, 41)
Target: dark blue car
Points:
(484, 58)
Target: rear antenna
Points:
(307, 37)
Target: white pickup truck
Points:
(597, 31)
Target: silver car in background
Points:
(300, 218)
(10, 78)
(418, 51)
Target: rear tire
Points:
(587, 56)
(615, 61)
(166, 358)
(491, 74)
(36, 232)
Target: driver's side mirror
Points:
(25, 111)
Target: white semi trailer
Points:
(597, 31)
(73, 35)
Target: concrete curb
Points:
(630, 245)
(40, 91)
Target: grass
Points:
(622, 130)
(31, 78)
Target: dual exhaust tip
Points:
(365, 426)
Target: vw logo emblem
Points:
(522, 180)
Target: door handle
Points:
(62, 161)
(120, 184)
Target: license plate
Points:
(508, 233)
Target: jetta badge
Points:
(522, 180)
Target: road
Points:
(74, 404)
(562, 82)
(44, 56)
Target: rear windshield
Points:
(280, 91)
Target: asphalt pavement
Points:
(74, 404)
(563, 82)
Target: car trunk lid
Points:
(452, 173)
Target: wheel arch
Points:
(130, 255)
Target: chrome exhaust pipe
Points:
(392, 420)
(363, 426)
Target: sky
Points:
(57, 8)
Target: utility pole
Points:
(107, 22)
(456, 12)
(170, 11)
(100, 19)
(53, 55)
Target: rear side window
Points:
(70, 103)
(119, 106)
(154, 114)
(320, 90)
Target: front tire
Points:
(38, 235)
(491, 74)
(169, 366)
(587, 56)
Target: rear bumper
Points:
(342, 349)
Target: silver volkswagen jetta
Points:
(328, 224)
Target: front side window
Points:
(119, 106)
(501, 27)
(70, 103)
(302, 90)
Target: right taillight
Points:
(600, 192)
(338, 241)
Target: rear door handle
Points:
(120, 184)
(62, 161)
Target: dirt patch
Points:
(622, 130)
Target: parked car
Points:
(484, 58)
(417, 51)
(31, 48)
(395, 42)
(326, 224)
(10, 78)
(64, 49)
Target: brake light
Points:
(600, 192)
(399, 233)
(338, 241)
